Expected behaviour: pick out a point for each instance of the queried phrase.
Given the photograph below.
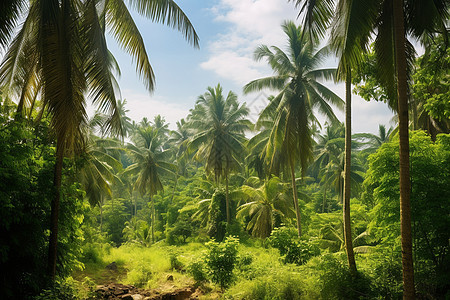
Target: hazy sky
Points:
(229, 32)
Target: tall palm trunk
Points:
(174, 188)
(294, 194)
(54, 215)
(227, 200)
(101, 217)
(153, 219)
(405, 184)
(347, 168)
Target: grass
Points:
(259, 273)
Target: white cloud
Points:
(250, 23)
(366, 115)
(144, 105)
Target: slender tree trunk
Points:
(414, 109)
(174, 187)
(227, 200)
(347, 168)
(294, 193)
(324, 199)
(101, 217)
(153, 219)
(135, 203)
(54, 215)
(405, 184)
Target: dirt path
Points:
(129, 292)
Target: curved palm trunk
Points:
(54, 215)
(297, 208)
(347, 168)
(405, 184)
(227, 200)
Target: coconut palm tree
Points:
(125, 121)
(60, 52)
(220, 124)
(300, 93)
(150, 164)
(262, 206)
(354, 23)
(372, 141)
(9, 15)
(257, 146)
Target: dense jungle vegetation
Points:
(282, 208)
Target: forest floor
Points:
(135, 273)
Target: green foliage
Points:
(292, 250)
(181, 230)
(217, 216)
(430, 204)
(61, 289)
(26, 170)
(278, 285)
(115, 215)
(336, 281)
(387, 272)
(432, 80)
(197, 269)
(175, 264)
(221, 259)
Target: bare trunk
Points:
(227, 200)
(135, 204)
(405, 184)
(174, 187)
(294, 194)
(153, 219)
(101, 217)
(54, 215)
(347, 181)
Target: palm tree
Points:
(124, 119)
(333, 174)
(9, 15)
(300, 92)
(264, 203)
(373, 141)
(219, 123)
(60, 53)
(392, 20)
(257, 145)
(150, 164)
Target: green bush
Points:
(336, 281)
(221, 259)
(387, 273)
(291, 248)
(197, 270)
(279, 285)
(175, 264)
(62, 289)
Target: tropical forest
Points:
(290, 204)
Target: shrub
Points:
(338, 283)
(61, 289)
(279, 285)
(175, 264)
(197, 270)
(291, 248)
(221, 259)
(140, 275)
(387, 273)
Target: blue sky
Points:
(229, 31)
